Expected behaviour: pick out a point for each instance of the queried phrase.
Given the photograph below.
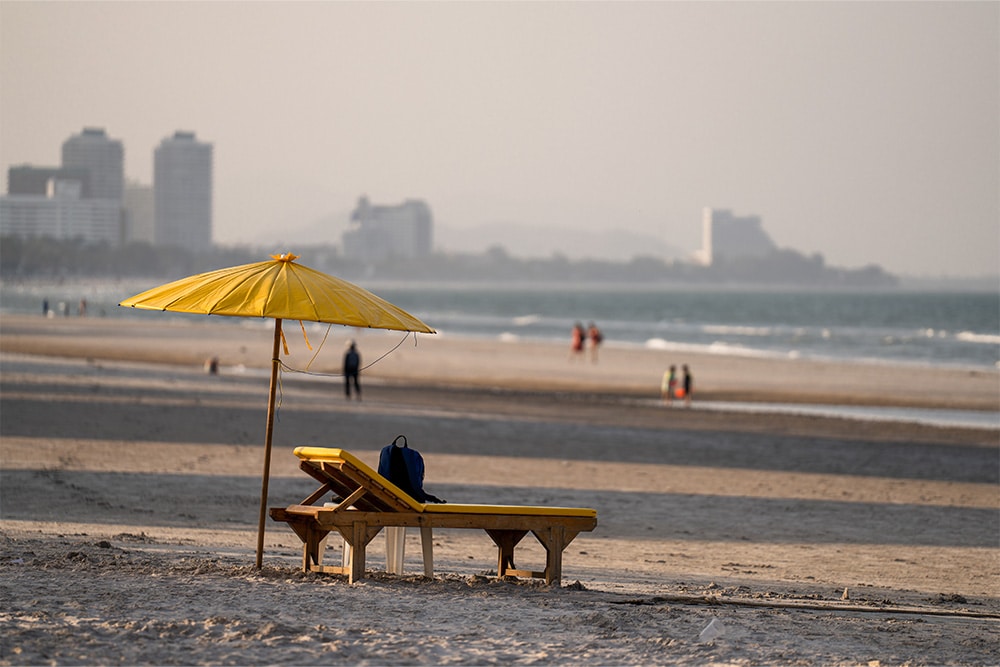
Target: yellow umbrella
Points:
(283, 290)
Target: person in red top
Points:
(577, 341)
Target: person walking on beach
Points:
(352, 369)
(578, 337)
(595, 336)
(688, 385)
(669, 385)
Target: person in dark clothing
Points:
(352, 369)
(404, 467)
(688, 385)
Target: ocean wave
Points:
(717, 348)
(970, 337)
(736, 330)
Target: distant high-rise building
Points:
(727, 236)
(26, 179)
(139, 215)
(182, 186)
(104, 160)
(82, 199)
(61, 214)
(383, 232)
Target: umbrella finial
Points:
(287, 257)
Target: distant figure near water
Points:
(668, 387)
(352, 370)
(688, 385)
(595, 336)
(577, 340)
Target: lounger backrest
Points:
(345, 473)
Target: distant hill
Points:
(324, 231)
(519, 240)
(41, 257)
(532, 242)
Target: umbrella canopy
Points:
(282, 290)
(279, 289)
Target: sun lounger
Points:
(368, 502)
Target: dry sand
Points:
(130, 480)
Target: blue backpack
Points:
(404, 467)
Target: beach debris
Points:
(713, 630)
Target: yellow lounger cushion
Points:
(331, 454)
(334, 455)
(526, 510)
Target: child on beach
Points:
(669, 385)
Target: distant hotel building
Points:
(29, 180)
(101, 157)
(61, 214)
(80, 200)
(182, 192)
(140, 216)
(727, 236)
(384, 232)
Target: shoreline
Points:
(457, 362)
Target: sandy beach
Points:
(130, 482)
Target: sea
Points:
(899, 326)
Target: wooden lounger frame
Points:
(369, 502)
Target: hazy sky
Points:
(868, 132)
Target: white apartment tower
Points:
(139, 213)
(104, 160)
(182, 187)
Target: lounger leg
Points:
(362, 536)
(506, 540)
(395, 549)
(320, 548)
(553, 557)
(306, 556)
(555, 540)
(427, 543)
(312, 543)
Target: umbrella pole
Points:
(267, 441)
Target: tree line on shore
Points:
(48, 258)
